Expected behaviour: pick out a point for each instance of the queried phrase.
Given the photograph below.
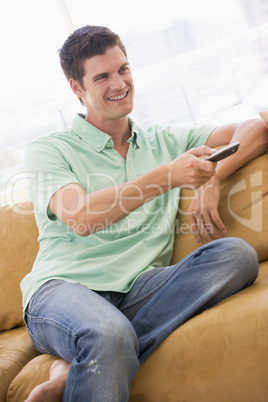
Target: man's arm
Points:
(83, 212)
(203, 211)
(253, 138)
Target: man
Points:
(101, 295)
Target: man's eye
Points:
(125, 69)
(101, 77)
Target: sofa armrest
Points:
(18, 247)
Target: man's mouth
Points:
(119, 97)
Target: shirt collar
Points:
(136, 133)
(97, 138)
(92, 135)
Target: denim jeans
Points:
(106, 335)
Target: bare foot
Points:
(52, 390)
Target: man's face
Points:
(108, 88)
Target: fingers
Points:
(215, 218)
(201, 151)
(194, 224)
(206, 227)
(188, 170)
(203, 170)
(206, 224)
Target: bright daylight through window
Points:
(192, 62)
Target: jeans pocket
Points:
(38, 345)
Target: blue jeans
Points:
(106, 335)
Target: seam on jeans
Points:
(159, 287)
(34, 318)
(47, 320)
(193, 255)
(36, 342)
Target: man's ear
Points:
(76, 88)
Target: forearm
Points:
(253, 138)
(103, 208)
(86, 213)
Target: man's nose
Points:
(117, 83)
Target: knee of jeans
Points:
(118, 336)
(121, 334)
(246, 258)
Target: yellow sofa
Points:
(220, 355)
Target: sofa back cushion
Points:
(18, 248)
(243, 209)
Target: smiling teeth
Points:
(118, 97)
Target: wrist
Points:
(215, 179)
(165, 176)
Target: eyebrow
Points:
(106, 73)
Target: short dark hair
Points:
(83, 43)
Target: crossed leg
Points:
(211, 274)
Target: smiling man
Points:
(101, 294)
(107, 95)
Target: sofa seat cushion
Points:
(219, 355)
(16, 350)
(263, 271)
(205, 351)
(34, 373)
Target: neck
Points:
(118, 129)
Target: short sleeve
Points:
(198, 135)
(174, 141)
(191, 137)
(47, 171)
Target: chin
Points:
(123, 113)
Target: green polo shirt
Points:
(113, 257)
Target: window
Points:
(192, 62)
